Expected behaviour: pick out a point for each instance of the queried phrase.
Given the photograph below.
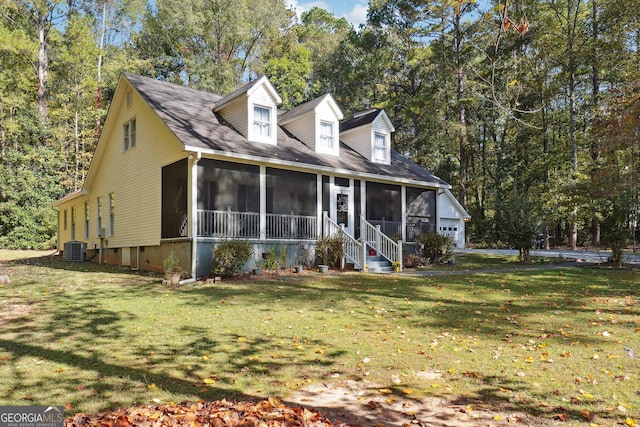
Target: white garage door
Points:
(450, 227)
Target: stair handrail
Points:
(383, 244)
(353, 249)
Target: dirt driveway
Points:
(361, 403)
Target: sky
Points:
(354, 11)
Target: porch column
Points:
(403, 217)
(363, 199)
(319, 214)
(263, 202)
(193, 207)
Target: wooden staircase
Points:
(375, 252)
(378, 264)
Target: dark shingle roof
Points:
(301, 109)
(360, 120)
(188, 114)
(235, 94)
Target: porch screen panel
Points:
(291, 204)
(384, 207)
(174, 199)
(228, 199)
(326, 194)
(357, 211)
(228, 186)
(291, 192)
(421, 211)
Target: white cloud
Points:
(356, 16)
(300, 8)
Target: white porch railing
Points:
(379, 241)
(230, 224)
(353, 249)
(390, 228)
(291, 226)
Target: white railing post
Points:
(378, 243)
(325, 224)
(400, 254)
(344, 243)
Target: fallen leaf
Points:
(587, 415)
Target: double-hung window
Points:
(380, 147)
(86, 220)
(112, 214)
(326, 135)
(129, 135)
(261, 122)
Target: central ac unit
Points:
(75, 251)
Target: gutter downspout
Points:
(194, 213)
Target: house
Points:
(176, 170)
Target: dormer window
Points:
(380, 147)
(261, 122)
(326, 135)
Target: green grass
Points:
(546, 342)
(471, 261)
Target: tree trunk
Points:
(43, 63)
(462, 113)
(103, 32)
(595, 108)
(571, 34)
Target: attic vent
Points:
(75, 251)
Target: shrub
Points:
(330, 251)
(436, 247)
(412, 261)
(230, 256)
(277, 258)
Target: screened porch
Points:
(229, 202)
(236, 200)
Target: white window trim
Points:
(129, 134)
(273, 131)
(323, 138)
(376, 150)
(335, 139)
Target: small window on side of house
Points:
(112, 214)
(99, 216)
(326, 135)
(73, 223)
(380, 147)
(129, 135)
(86, 220)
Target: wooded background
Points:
(529, 108)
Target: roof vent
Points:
(75, 251)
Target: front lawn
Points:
(555, 343)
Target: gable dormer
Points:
(369, 133)
(316, 123)
(252, 111)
